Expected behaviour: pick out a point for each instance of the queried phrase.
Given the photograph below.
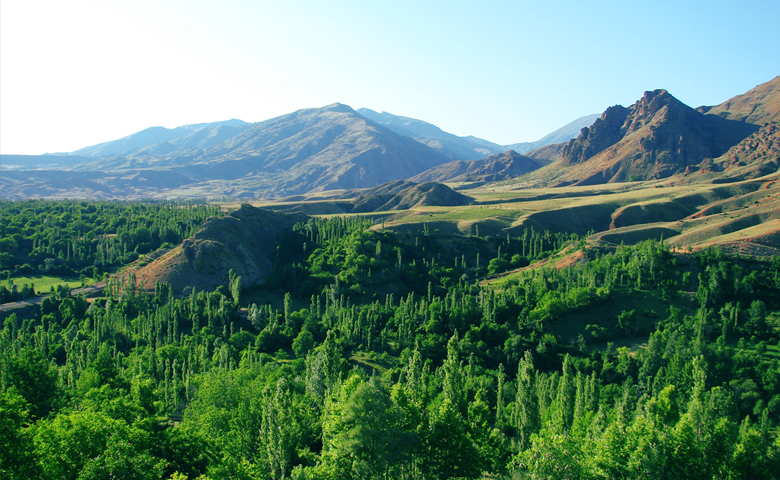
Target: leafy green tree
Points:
(35, 381)
(525, 414)
(448, 451)
(277, 429)
(66, 443)
(17, 460)
(371, 437)
(303, 343)
(123, 460)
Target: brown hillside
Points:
(755, 156)
(243, 241)
(758, 106)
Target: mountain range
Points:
(336, 147)
(660, 136)
(165, 141)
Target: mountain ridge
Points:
(497, 167)
(655, 137)
(453, 146)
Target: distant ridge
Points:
(182, 137)
(334, 148)
(494, 168)
(457, 148)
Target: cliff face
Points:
(606, 131)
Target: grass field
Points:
(43, 283)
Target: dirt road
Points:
(98, 287)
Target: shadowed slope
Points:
(243, 241)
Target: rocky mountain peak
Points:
(605, 131)
(338, 108)
(617, 122)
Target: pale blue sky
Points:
(77, 73)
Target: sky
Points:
(80, 72)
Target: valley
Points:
(326, 296)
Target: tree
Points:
(277, 429)
(68, 442)
(371, 438)
(17, 459)
(525, 415)
(303, 343)
(35, 381)
(123, 460)
(448, 450)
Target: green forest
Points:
(374, 354)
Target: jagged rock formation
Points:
(757, 155)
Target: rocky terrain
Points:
(659, 136)
(243, 241)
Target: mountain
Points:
(494, 168)
(309, 150)
(313, 150)
(185, 137)
(656, 137)
(563, 134)
(453, 146)
(757, 106)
